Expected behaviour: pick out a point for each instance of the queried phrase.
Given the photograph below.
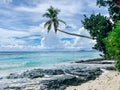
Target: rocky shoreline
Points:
(57, 78)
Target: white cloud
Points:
(6, 33)
(27, 21)
(70, 9)
(84, 43)
(48, 41)
(7, 37)
(52, 41)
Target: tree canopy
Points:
(112, 43)
(114, 10)
(98, 26)
(52, 14)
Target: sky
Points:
(22, 25)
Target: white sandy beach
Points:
(107, 81)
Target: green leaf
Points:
(52, 15)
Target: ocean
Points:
(11, 62)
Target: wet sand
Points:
(110, 80)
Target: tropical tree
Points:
(98, 27)
(53, 20)
(113, 44)
(113, 8)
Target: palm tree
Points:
(52, 14)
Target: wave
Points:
(11, 66)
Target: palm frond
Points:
(56, 11)
(47, 15)
(52, 14)
(47, 23)
(49, 27)
(55, 27)
(56, 24)
(51, 10)
(62, 21)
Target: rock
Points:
(94, 74)
(1, 78)
(75, 77)
(28, 74)
(41, 72)
(59, 78)
(14, 88)
(84, 72)
(36, 73)
(59, 83)
(90, 60)
(13, 76)
(96, 61)
(110, 68)
(53, 72)
(107, 62)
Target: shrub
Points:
(112, 43)
(98, 26)
(117, 64)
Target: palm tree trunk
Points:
(73, 34)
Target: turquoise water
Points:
(16, 61)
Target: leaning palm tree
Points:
(52, 15)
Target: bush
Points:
(113, 44)
(98, 26)
(117, 64)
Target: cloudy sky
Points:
(21, 24)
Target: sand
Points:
(107, 81)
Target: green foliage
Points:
(113, 41)
(52, 15)
(117, 64)
(101, 3)
(114, 10)
(98, 27)
(113, 44)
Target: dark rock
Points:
(60, 78)
(28, 74)
(90, 60)
(96, 61)
(32, 74)
(36, 73)
(13, 76)
(74, 78)
(105, 62)
(94, 74)
(110, 68)
(84, 72)
(41, 72)
(14, 88)
(58, 82)
(53, 71)
(1, 78)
